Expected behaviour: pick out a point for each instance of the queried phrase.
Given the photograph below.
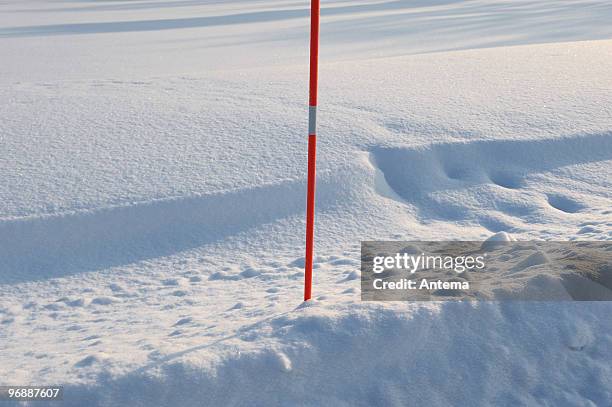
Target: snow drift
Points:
(152, 157)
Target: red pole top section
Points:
(314, 50)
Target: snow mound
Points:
(496, 240)
(513, 354)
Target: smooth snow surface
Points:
(153, 189)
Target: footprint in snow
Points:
(250, 273)
(86, 362)
(116, 288)
(299, 263)
(183, 321)
(236, 306)
(297, 276)
(342, 262)
(102, 301)
(588, 229)
(219, 275)
(564, 204)
(353, 275)
(507, 180)
(91, 337)
(171, 282)
(78, 302)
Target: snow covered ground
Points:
(153, 186)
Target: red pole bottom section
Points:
(310, 209)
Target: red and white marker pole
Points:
(312, 145)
